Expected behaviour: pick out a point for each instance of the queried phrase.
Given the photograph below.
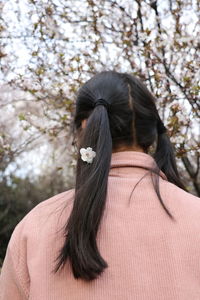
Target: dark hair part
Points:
(131, 118)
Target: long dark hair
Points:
(130, 118)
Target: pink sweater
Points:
(149, 257)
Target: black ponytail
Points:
(165, 159)
(90, 195)
(150, 128)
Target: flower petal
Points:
(82, 151)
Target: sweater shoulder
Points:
(181, 201)
(43, 216)
(176, 192)
(52, 205)
(56, 201)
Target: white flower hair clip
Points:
(87, 154)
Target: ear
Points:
(83, 123)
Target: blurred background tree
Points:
(49, 48)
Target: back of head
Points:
(132, 112)
(120, 112)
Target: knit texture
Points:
(149, 256)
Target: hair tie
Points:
(103, 102)
(161, 127)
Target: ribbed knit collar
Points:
(133, 159)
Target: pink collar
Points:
(134, 159)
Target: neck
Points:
(128, 148)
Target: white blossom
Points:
(87, 154)
(177, 139)
(181, 117)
